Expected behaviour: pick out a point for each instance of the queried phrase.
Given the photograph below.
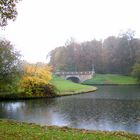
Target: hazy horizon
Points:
(41, 27)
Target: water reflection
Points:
(107, 109)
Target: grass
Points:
(12, 130)
(111, 79)
(66, 87)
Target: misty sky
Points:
(42, 25)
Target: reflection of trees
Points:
(8, 109)
(39, 110)
(102, 114)
(115, 92)
(27, 109)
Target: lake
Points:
(109, 108)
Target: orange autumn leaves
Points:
(35, 76)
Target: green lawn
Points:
(111, 79)
(12, 130)
(67, 87)
(64, 87)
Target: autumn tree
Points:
(9, 65)
(35, 78)
(120, 52)
(115, 54)
(77, 56)
(8, 11)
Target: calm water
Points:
(109, 108)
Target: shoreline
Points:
(18, 130)
(59, 94)
(93, 88)
(112, 84)
(111, 79)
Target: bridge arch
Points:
(75, 79)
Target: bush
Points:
(36, 89)
(36, 79)
(51, 89)
(136, 72)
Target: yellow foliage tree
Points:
(35, 77)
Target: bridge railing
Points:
(75, 73)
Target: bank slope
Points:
(65, 87)
(111, 79)
(12, 130)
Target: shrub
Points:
(136, 72)
(36, 79)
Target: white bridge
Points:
(76, 77)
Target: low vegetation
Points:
(136, 72)
(25, 131)
(111, 79)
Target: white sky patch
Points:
(42, 25)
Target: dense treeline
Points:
(113, 55)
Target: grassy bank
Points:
(12, 130)
(66, 87)
(111, 79)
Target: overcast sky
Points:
(42, 25)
